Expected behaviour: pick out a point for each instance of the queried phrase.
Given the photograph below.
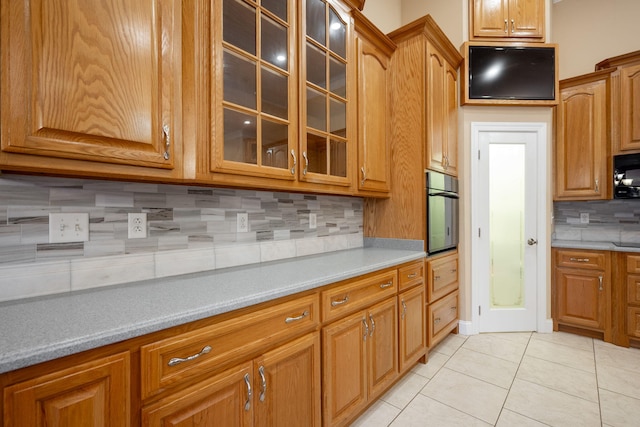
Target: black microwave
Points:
(626, 176)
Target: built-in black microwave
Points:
(626, 176)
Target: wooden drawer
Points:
(411, 275)
(593, 260)
(633, 321)
(633, 264)
(443, 277)
(633, 289)
(358, 293)
(195, 353)
(443, 318)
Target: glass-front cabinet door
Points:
(255, 119)
(326, 134)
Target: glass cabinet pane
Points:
(316, 110)
(275, 144)
(338, 77)
(316, 66)
(239, 25)
(338, 118)
(239, 80)
(317, 153)
(277, 7)
(337, 34)
(316, 21)
(338, 158)
(274, 43)
(275, 99)
(240, 137)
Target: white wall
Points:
(385, 14)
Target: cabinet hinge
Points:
(478, 154)
(479, 233)
(479, 310)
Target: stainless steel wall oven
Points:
(442, 212)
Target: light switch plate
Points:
(68, 227)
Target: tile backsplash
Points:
(190, 229)
(609, 221)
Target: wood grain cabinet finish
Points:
(95, 393)
(442, 276)
(633, 296)
(582, 291)
(582, 138)
(360, 360)
(413, 326)
(92, 88)
(442, 316)
(374, 51)
(442, 296)
(507, 20)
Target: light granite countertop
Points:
(46, 328)
(602, 246)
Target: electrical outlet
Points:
(242, 222)
(584, 218)
(313, 223)
(137, 225)
(68, 227)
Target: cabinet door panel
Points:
(436, 113)
(451, 108)
(92, 394)
(383, 346)
(633, 321)
(413, 326)
(344, 368)
(490, 18)
(630, 108)
(526, 18)
(580, 299)
(92, 80)
(220, 400)
(291, 388)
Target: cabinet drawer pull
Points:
(453, 270)
(295, 162)
(505, 26)
(404, 309)
(263, 383)
(306, 163)
(454, 308)
(364, 175)
(601, 288)
(366, 328)
(178, 360)
(579, 259)
(412, 276)
(436, 320)
(247, 381)
(340, 302)
(597, 185)
(513, 26)
(436, 277)
(386, 285)
(296, 318)
(167, 141)
(373, 325)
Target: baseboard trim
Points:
(465, 327)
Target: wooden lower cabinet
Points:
(279, 388)
(359, 360)
(581, 292)
(95, 393)
(413, 326)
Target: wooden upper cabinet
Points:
(507, 20)
(374, 51)
(327, 93)
(96, 393)
(95, 82)
(582, 138)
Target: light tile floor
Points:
(515, 379)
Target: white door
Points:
(507, 191)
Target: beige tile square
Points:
(426, 412)
(497, 346)
(469, 395)
(550, 406)
(510, 419)
(380, 414)
(619, 380)
(571, 340)
(562, 354)
(484, 367)
(404, 390)
(450, 344)
(613, 355)
(619, 410)
(433, 365)
(559, 377)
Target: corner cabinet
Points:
(582, 138)
(85, 95)
(507, 20)
(374, 51)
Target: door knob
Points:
(532, 242)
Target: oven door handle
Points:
(445, 194)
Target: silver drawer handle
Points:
(178, 360)
(404, 309)
(340, 302)
(263, 383)
(436, 277)
(167, 141)
(295, 319)
(579, 259)
(412, 276)
(386, 285)
(436, 320)
(247, 381)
